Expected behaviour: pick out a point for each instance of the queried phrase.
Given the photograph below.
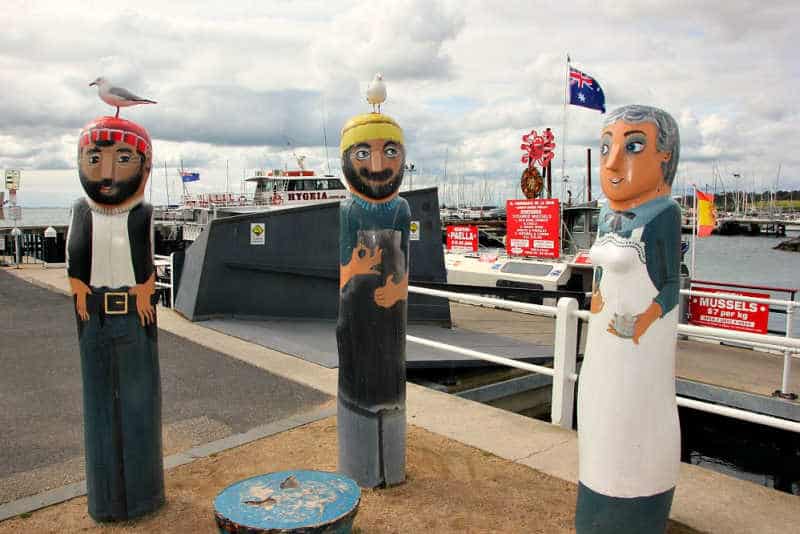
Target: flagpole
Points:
(694, 228)
(564, 142)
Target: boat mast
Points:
(166, 181)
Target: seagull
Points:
(118, 97)
(376, 93)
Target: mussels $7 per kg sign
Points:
(725, 312)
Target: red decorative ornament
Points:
(538, 148)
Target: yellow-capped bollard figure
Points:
(628, 431)
(371, 330)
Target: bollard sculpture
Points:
(628, 432)
(112, 277)
(373, 285)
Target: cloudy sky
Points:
(243, 83)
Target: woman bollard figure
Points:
(628, 431)
(373, 291)
(112, 277)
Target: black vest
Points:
(80, 241)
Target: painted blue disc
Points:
(307, 498)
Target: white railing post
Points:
(787, 358)
(566, 344)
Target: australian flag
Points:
(187, 176)
(585, 91)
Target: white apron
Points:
(628, 431)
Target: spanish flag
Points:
(706, 214)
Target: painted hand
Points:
(143, 292)
(390, 293)
(80, 290)
(644, 320)
(363, 260)
(597, 302)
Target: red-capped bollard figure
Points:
(628, 432)
(112, 277)
(373, 285)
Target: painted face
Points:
(630, 164)
(374, 169)
(111, 172)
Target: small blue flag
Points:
(585, 91)
(190, 176)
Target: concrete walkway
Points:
(41, 393)
(704, 500)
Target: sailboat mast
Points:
(166, 181)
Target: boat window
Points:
(579, 224)
(531, 269)
(334, 183)
(593, 221)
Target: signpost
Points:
(462, 238)
(533, 227)
(728, 313)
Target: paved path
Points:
(206, 395)
(704, 500)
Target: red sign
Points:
(462, 238)
(723, 312)
(583, 258)
(532, 227)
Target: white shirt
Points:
(112, 265)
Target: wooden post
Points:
(566, 343)
(628, 432)
(371, 330)
(112, 278)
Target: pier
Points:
(441, 424)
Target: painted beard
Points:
(120, 190)
(375, 185)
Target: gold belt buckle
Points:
(124, 297)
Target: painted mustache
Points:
(379, 176)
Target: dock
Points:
(705, 501)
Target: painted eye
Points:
(634, 147)
(94, 159)
(124, 158)
(391, 152)
(362, 153)
(604, 149)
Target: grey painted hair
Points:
(667, 137)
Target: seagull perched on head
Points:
(118, 97)
(376, 93)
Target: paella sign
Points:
(533, 227)
(462, 238)
(730, 314)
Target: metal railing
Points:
(567, 315)
(166, 262)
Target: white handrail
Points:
(743, 298)
(564, 355)
(477, 300)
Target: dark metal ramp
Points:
(315, 341)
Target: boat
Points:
(274, 189)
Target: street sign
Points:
(12, 179)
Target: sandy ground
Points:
(450, 488)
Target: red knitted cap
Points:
(115, 129)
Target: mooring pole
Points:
(588, 175)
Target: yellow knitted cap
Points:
(369, 126)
